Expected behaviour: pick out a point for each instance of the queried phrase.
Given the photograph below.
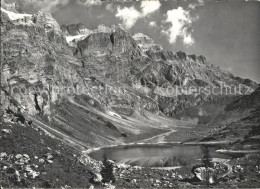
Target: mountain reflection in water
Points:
(156, 155)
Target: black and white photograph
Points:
(125, 94)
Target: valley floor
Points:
(30, 157)
(40, 155)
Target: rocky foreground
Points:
(46, 126)
(32, 157)
(243, 173)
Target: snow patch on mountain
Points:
(84, 32)
(15, 16)
(71, 38)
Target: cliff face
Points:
(76, 88)
(75, 29)
(112, 55)
(35, 56)
(146, 43)
(40, 68)
(45, 63)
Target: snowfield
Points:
(71, 38)
(15, 16)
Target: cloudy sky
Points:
(227, 32)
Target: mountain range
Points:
(95, 88)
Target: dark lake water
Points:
(157, 155)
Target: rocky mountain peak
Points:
(41, 19)
(75, 29)
(146, 43)
(199, 59)
(77, 32)
(105, 29)
(143, 37)
(109, 54)
(105, 40)
(103, 87)
(47, 21)
(13, 7)
(15, 16)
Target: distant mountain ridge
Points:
(153, 68)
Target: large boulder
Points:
(210, 175)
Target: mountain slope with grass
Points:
(242, 122)
(68, 89)
(48, 69)
(32, 157)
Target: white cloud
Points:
(129, 15)
(187, 39)
(180, 21)
(110, 7)
(192, 6)
(152, 24)
(89, 3)
(149, 7)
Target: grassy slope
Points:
(245, 125)
(65, 169)
(93, 127)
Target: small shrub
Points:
(20, 118)
(123, 135)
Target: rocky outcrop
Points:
(39, 68)
(116, 41)
(36, 60)
(29, 157)
(75, 29)
(210, 175)
(146, 43)
(13, 7)
(42, 60)
(155, 71)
